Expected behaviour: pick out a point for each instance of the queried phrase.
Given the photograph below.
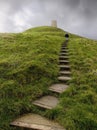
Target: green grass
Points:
(29, 65)
(78, 105)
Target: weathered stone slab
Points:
(64, 66)
(64, 47)
(47, 102)
(66, 61)
(63, 62)
(65, 50)
(36, 122)
(63, 53)
(64, 78)
(63, 57)
(59, 88)
(65, 72)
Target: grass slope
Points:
(80, 101)
(78, 105)
(29, 65)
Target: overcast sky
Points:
(75, 16)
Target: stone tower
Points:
(54, 23)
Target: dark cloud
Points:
(72, 3)
(76, 16)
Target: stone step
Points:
(64, 54)
(64, 66)
(47, 102)
(58, 88)
(64, 73)
(63, 62)
(35, 122)
(64, 78)
(63, 57)
(64, 48)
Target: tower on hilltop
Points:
(54, 23)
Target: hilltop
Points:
(29, 65)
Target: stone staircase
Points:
(49, 102)
(36, 122)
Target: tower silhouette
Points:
(54, 23)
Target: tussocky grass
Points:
(29, 65)
(78, 105)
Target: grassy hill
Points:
(29, 65)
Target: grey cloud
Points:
(76, 16)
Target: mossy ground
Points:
(29, 65)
